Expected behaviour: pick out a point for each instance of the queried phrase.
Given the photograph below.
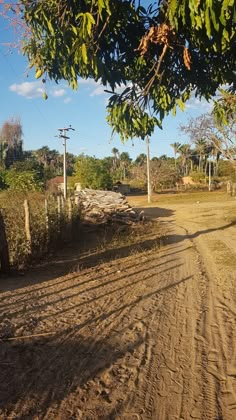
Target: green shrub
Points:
(198, 177)
(42, 238)
(226, 169)
(23, 181)
(93, 173)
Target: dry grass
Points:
(47, 233)
(179, 198)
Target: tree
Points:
(70, 160)
(217, 136)
(201, 151)
(3, 154)
(43, 156)
(125, 161)
(176, 147)
(116, 154)
(31, 166)
(227, 169)
(52, 162)
(185, 153)
(23, 181)
(225, 107)
(11, 142)
(163, 174)
(92, 173)
(140, 159)
(160, 54)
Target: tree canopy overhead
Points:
(158, 54)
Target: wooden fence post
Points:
(59, 213)
(229, 187)
(69, 204)
(46, 219)
(62, 203)
(233, 190)
(70, 217)
(4, 252)
(27, 224)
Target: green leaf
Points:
(38, 73)
(207, 23)
(75, 30)
(173, 6)
(45, 96)
(101, 6)
(90, 22)
(180, 104)
(50, 27)
(198, 21)
(213, 18)
(226, 35)
(84, 53)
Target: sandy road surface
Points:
(148, 335)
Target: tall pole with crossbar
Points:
(62, 135)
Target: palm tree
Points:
(115, 153)
(140, 159)
(185, 152)
(176, 147)
(216, 147)
(42, 156)
(201, 147)
(125, 162)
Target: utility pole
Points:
(209, 178)
(62, 135)
(149, 187)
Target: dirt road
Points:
(139, 332)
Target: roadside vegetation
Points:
(42, 169)
(37, 220)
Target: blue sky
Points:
(85, 110)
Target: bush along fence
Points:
(32, 226)
(231, 188)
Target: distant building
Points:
(121, 188)
(56, 184)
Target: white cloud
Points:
(196, 103)
(98, 91)
(32, 90)
(28, 89)
(89, 82)
(58, 92)
(97, 88)
(67, 100)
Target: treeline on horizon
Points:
(32, 170)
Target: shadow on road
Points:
(73, 256)
(155, 212)
(170, 239)
(40, 374)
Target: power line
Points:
(62, 135)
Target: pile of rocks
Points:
(99, 207)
